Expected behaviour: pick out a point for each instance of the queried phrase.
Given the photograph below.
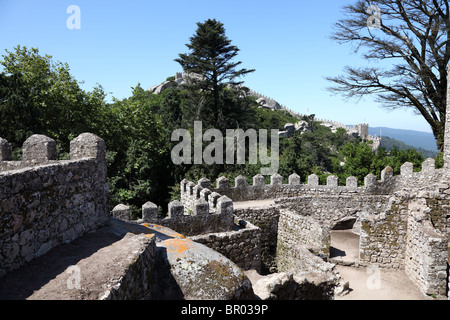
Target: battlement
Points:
(259, 190)
(200, 211)
(46, 202)
(41, 150)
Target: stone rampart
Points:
(187, 222)
(45, 202)
(200, 211)
(388, 183)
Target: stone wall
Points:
(189, 222)
(135, 281)
(45, 202)
(383, 235)
(266, 219)
(426, 257)
(242, 246)
(297, 229)
(259, 190)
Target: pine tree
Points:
(210, 67)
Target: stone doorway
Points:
(344, 244)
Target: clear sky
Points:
(123, 43)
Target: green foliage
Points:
(39, 95)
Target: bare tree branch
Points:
(414, 36)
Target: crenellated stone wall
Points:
(45, 202)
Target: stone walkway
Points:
(256, 204)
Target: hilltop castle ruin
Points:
(215, 232)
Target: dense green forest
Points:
(40, 96)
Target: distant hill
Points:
(416, 139)
(389, 143)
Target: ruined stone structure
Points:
(201, 249)
(403, 221)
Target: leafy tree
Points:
(412, 47)
(41, 96)
(138, 170)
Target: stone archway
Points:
(344, 243)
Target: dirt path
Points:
(390, 285)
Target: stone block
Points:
(190, 188)
(205, 183)
(276, 180)
(406, 170)
(150, 212)
(121, 212)
(370, 180)
(387, 174)
(87, 145)
(222, 182)
(294, 180)
(39, 148)
(201, 208)
(352, 182)
(204, 194)
(240, 182)
(176, 209)
(225, 205)
(313, 180)
(183, 185)
(259, 181)
(213, 198)
(5, 150)
(332, 181)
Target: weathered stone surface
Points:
(5, 150)
(189, 270)
(39, 148)
(45, 202)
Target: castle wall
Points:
(298, 229)
(267, 219)
(426, 248)
(259, 190)
(242, 246)
(383, 235)
(191, 222)
(46, 202)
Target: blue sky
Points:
(123, 43)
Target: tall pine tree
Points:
(211, 70)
